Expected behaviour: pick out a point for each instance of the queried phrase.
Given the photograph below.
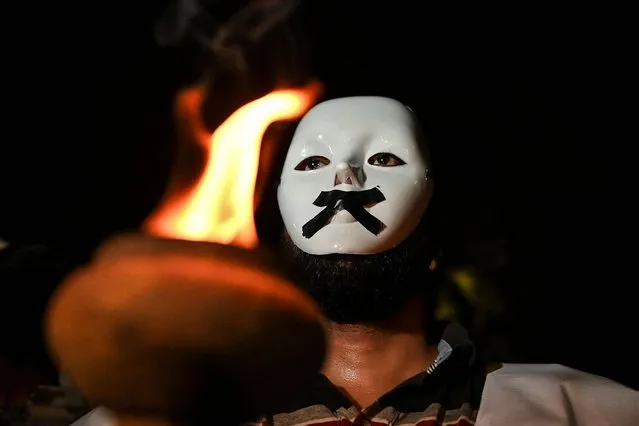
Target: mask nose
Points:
(349, 175)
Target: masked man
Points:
(354, 197)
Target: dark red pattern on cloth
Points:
(462, 421)
(361, 421)
(426, 422)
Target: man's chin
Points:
(342, 260)
(354, 288)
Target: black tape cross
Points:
(351, 201)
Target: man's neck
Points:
(367, 360)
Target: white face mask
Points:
(354, 180)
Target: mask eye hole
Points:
(313, 163)
(385, 159)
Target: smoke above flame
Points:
(219, 206)
(184, 18)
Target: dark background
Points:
(88, 145)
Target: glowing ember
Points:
(219, 207)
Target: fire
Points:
(219, 207)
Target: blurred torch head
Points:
(161, 324)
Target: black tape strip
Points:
(352, 201)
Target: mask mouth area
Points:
(342, 217)
(354, 202)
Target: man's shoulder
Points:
(548, 373)
(554, 394)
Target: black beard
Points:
(357, 289)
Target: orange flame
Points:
(219, 207)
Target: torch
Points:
(191, 321)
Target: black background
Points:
(88, 144)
